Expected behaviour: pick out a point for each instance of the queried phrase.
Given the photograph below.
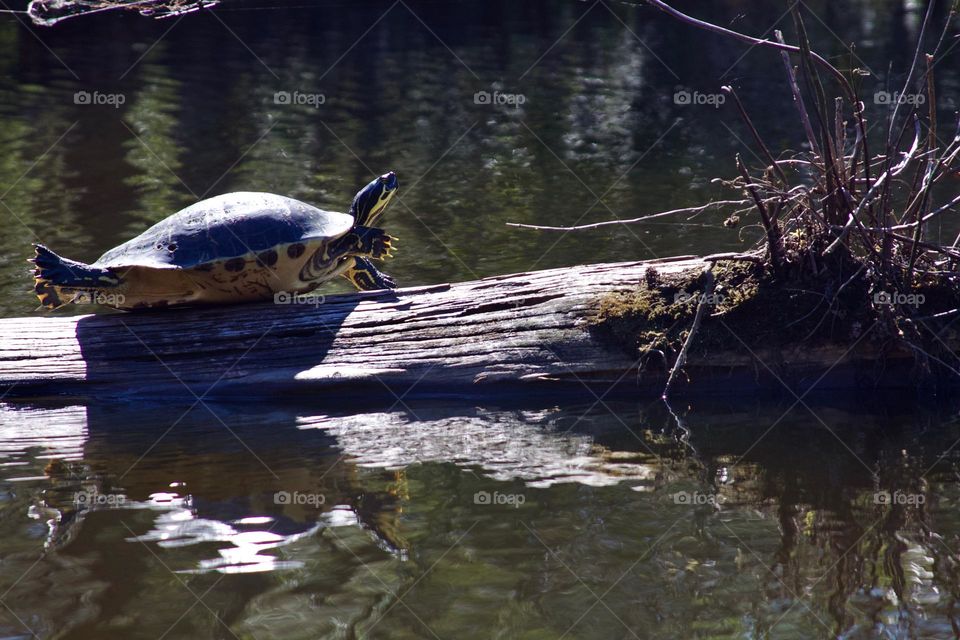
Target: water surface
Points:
(438, 520)
(599, 134)
(834, 517)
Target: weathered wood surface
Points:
(522, 333)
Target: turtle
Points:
(236, 247)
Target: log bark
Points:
(516, 334)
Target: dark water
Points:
(447, 521)
(598, 520)
(599, 134)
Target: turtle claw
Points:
(381, 247)
(366, 277)
(386, 282)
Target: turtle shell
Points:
(224, 227)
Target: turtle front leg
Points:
(337, 257)
(365, 277)
(365, 242)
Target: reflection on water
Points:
(537, 446)
(178, 526)
(480, 522)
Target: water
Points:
(835, 517)
(440, 520)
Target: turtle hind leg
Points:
(366, 277)
(49, 295)
(55, 277)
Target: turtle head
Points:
(370, 201)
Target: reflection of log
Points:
(515, 333)
(537, 446)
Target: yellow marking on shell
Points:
(254, 281)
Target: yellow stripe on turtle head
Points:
(382, 203)
(370, 201)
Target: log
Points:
(519, 334)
